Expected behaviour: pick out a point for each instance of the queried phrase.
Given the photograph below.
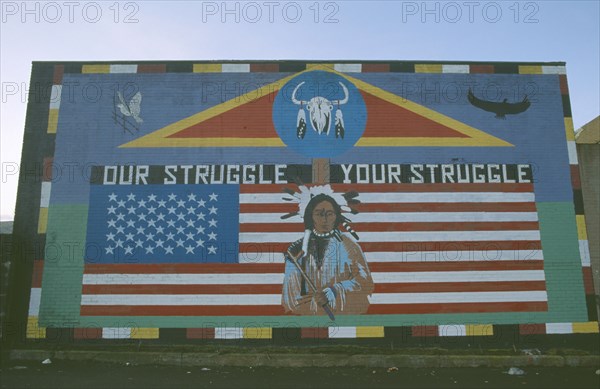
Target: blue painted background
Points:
(88, 136)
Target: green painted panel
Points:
(562, 262)
(63, 265)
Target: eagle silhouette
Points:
(500, 109)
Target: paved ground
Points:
(64, 374)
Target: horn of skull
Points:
(319, 110)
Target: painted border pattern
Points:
(34, 332)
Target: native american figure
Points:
(326, 271)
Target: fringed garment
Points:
(339, 265)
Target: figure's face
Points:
(324, 217)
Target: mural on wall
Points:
(313, 197)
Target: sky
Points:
(513, 31)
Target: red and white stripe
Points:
(431, 248)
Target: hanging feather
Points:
(350, 195)
(352, 202)
(337, 235)
(301, 124)
(305, 241)
(339, 124)
(298, 181)
(287, 199)
(350, 230)
(289, 215)
(289, 191)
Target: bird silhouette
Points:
(500, 109)
(132, 109)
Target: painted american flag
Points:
(431, 248)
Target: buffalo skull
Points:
(319, 110)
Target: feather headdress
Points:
(304, 194)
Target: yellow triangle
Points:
(160, 138)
